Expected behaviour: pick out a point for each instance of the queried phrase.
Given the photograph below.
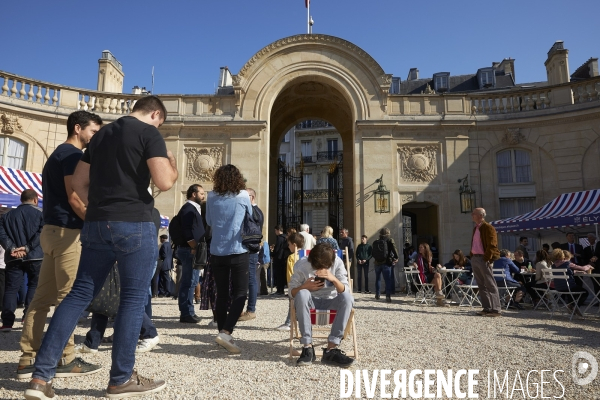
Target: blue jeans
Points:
(189, 280)
(252, 285)
(133, 246)
(387, 278)
(14, 275)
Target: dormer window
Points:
(441, 81)
(486, 78)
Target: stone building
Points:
(520, 145)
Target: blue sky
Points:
(187, 41)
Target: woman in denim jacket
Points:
(226, 207)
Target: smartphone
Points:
(319, 279)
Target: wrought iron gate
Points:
(335, 186)
(290, 201)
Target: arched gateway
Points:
(310, 77)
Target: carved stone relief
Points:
(513, 136)
(202, 162)
(9, 123)
(418, 163)
(407, 198)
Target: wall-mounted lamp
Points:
(467, 196)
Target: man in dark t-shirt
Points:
(112, 178)
(63, 218)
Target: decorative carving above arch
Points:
(9, 122)
(202, 162)
(418, 163)
(407, 198)
(513, 136)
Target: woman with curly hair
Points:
(226, 207)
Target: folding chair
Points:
(509, 289)
(321, 323)
(543, 293)
(468, 295)
(409, 281)
(559, 298)
(424, 290)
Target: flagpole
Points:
(152, 80)
(308, 16)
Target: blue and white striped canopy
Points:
(569, 209)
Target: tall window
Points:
(308, 181)
(307, 219)
(332, 149)
(487, 79)
(514, 166)
(12, 153)
(512, 208)
(306, 149)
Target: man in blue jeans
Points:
(252, 264)
(193, 232)
(112, 179)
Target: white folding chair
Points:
(542, 292)
(468, 295)
(560, 298)
(408, 280)
(424, 290)
(508, 288)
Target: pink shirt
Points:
(477, 246)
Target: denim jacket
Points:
(225, 214)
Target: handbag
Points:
(201, 256)
(251, 232)
(107, 300)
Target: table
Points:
(448, 288)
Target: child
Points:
(295, 242)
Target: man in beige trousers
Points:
(63, 218)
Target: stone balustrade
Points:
(18, 87)
(507, 102)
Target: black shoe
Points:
(388, 299)
(336, 357)
(359, 291)
(197, 318)
(189, 319)
(376, 297)
(307, 357)
(367, 292)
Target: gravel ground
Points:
(396, 336)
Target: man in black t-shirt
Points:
(63, 218)
(112, 178)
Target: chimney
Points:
(110, 73)
(507, 66)
(225, 78)
(557, 64)
(413, 74)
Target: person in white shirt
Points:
(309, 240)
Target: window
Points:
(487, 79)
(514, 166)
(512, 208)
(12, 153)
(307, 219)
(307, 180)
(440, 80)
(332, 149)
(286, 138)
(282, 157)
(306, 148)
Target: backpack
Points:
(176, 231)
(251, 232)
(380, 250)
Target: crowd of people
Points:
(99, 230)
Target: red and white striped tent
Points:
(14, 181)
(567, 210)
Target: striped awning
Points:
(567, 210)
(13, 182)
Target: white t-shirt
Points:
(309, 241)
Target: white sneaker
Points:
(212, 324)
(226, 341)
(283, 327)
(82, 348)
(147, 344)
